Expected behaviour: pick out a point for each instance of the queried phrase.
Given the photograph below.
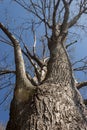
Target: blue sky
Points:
(13, 15)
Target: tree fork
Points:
(56, 105)
(24, 90)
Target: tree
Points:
(49, 100)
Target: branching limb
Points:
(83, 60)
(20, 67)
(35, 10)
(19, 62)
(34, 80)
(36, 67)
(41, 70)
(4, 40)
(82, 65)
(38, 61)
(82, 9)
(10, 43)
(60, 12)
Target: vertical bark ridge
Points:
(59, 68)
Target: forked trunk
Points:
(56, 105)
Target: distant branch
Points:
(35, 11)
(81, 84)
(83, 60)
(2, 72)
(81, 68)
(4, 40)
(70, 44)
(34, 36)
(74, 20)
(6, 96)
(82, 9)
(39, 62)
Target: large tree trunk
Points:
(56, 104)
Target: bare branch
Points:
(34, 36)
(5, 85)
(74, 20)
(34, 82)
(20, 67)
(10, 43)
(83, 60)
(81, 68)
(70, 44)
(36, 68)
(46, 20)
(70, 2)
(31, 59)
(64, 7)
(7, 72)
(39, 62)
(66, 15)
(44, 48)
(82, 65)
(34, 11)
(10, 36)
(81, 84)
(19, 62)
(55, 11)
(6, 96)
(4, 40)
(82, 10)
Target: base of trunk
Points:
(53, 107)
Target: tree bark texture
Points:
(56, 104)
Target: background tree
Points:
(47, 99)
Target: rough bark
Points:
(56, 104)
